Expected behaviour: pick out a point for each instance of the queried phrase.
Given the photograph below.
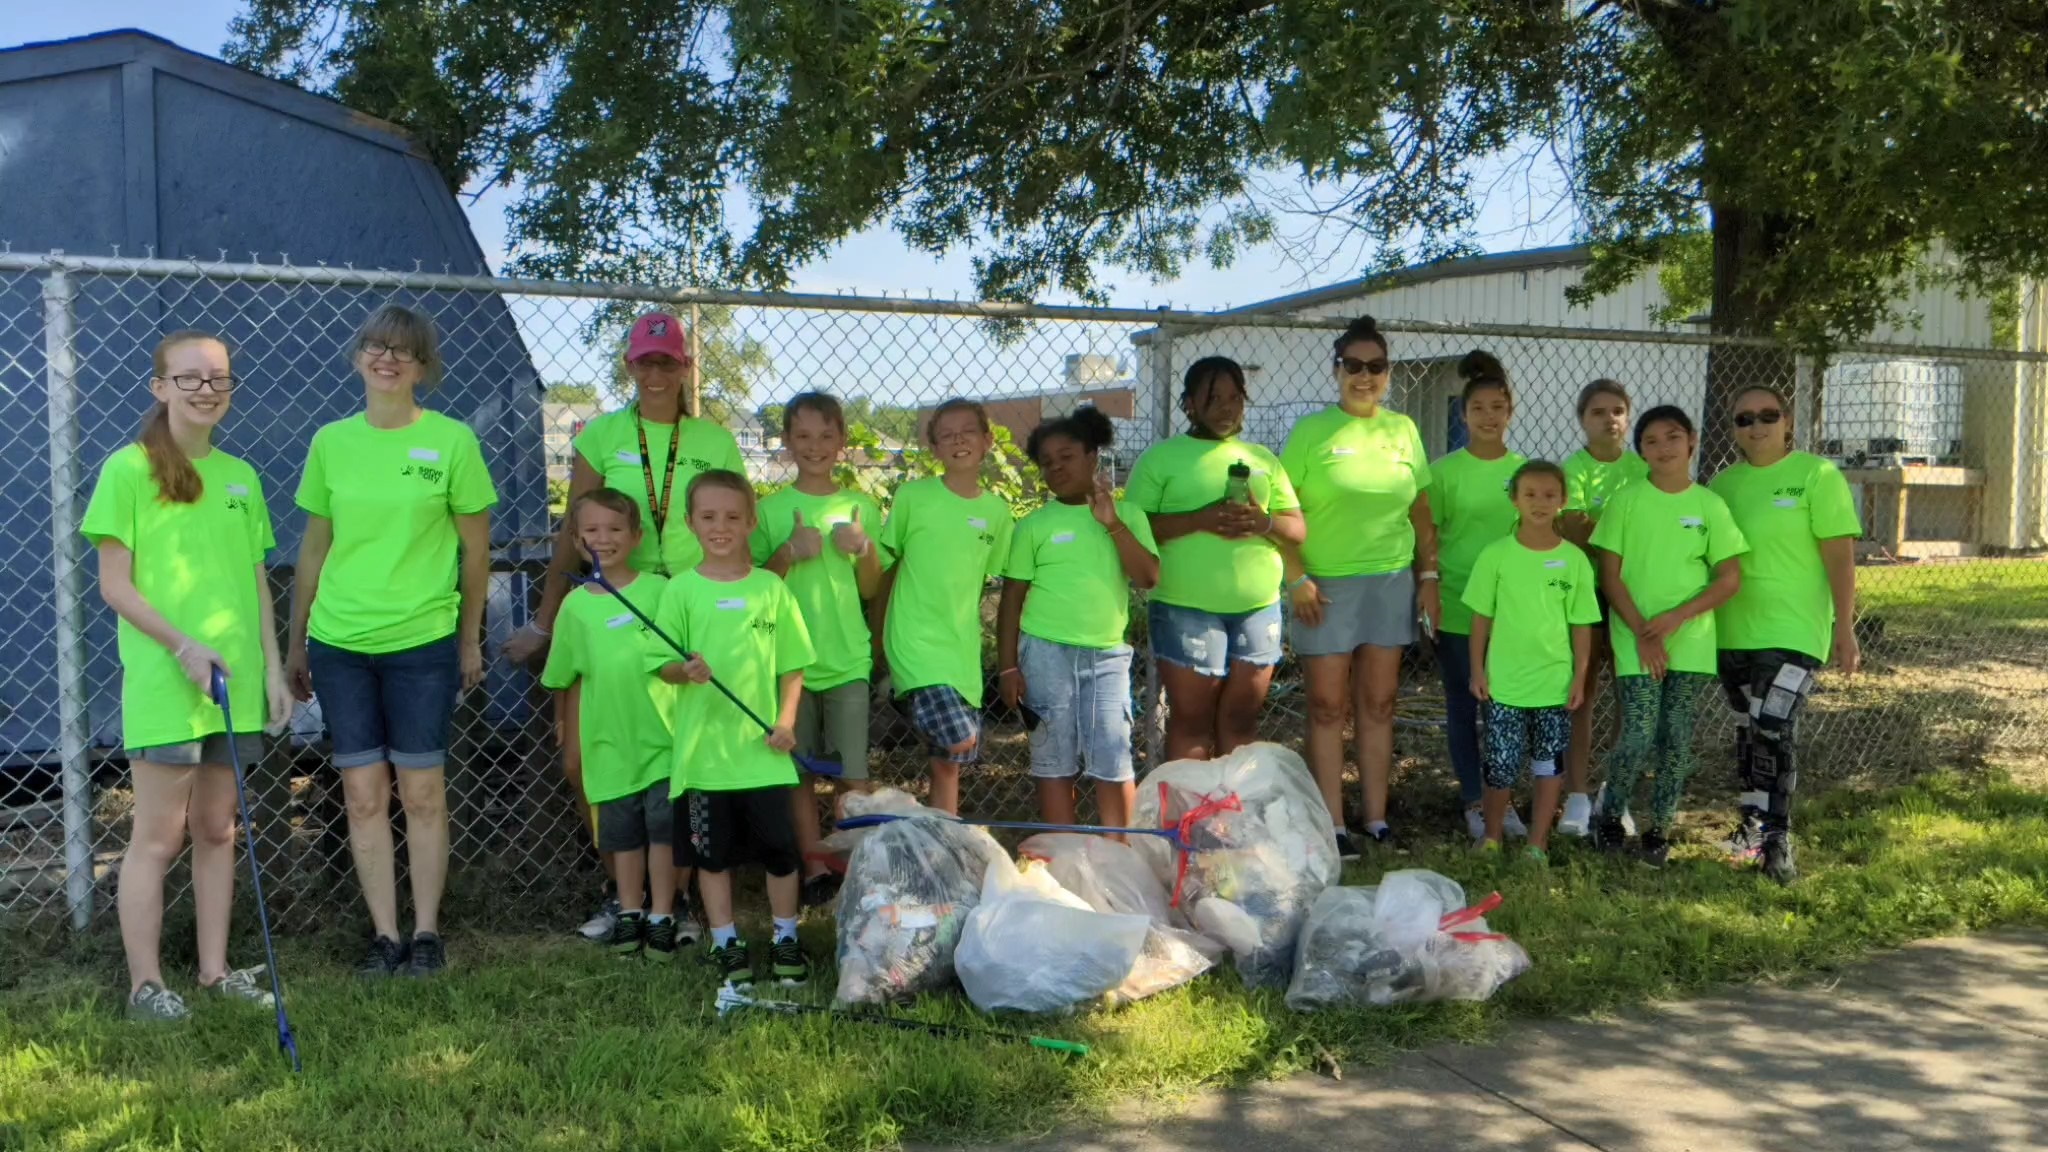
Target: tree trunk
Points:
(1742, 241)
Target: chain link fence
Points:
(1943, 445)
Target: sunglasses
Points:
(1356, 367)
(1767, 417)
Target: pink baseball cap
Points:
(658, 332)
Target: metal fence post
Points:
(67, 572)
(1153, 715)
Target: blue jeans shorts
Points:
(392, 707)
(1208, 643)
(1082, 697)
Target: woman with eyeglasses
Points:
(1794, 611)
(1367, 569)
(650, 450)
(181, 529)
(1220, 508)
(387, 617)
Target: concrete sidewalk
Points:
(1942, 1045)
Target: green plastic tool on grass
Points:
(731, 998)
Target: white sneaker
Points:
(1511, 824)
(1628, 819)
(600, 926)
(1475, 823)
(1578, 815)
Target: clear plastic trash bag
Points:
(1032, 946)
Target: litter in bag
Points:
(909, 887)
(1032, 946)
(1111, 876)
(1260, 848)
(1365, 946)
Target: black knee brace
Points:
(1765, 741)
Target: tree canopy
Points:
(1824, 148)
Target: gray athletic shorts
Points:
(631, 823)
(1377, 609)
(212, 750)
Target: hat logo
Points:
(657, 328)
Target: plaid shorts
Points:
(944, 718)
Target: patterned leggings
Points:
(1656, 735)
(1515, 735)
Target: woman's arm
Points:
(1429, 590)
(1009, 626)
(313, 549)
(475, 530)
(1839, 557)
(531, 639)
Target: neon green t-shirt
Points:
(623, 710)
(196, 565)
(1357, 476)
(393, 494)
(1785, 511)
(750, 633)
(1669, 544)
(611, 445)
(945, 550)
(827, 588)
(1472, 507)
(1202, 570)
(1534, 599)
(1591, 484)
(1079, 594)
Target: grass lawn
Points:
(541, 1044)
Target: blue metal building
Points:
(123, 142)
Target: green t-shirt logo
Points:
(427, 472)
(763, 624)
(1790, 492)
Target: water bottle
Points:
(1238, 489)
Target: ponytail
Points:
(177, 481)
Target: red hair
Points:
(177, 481)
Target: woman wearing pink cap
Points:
(650, 450)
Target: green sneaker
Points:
(628, 933)
(241, 985)
(735, 967)
(788, 963)
(155, 1004)
(661, 940)
(1537, 856)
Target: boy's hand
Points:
(850, 538)
(1481, 689)
(804, 543)
(697, 670)
(1578, 694)
(781, 739)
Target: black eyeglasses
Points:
(191, 383)
(1356, 367)
(1766, 417)
(376, 348)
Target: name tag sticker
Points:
(238, 489)
(428, 454)
(1691, 522)
(736, 604)
(1553, 564)
(977, 523)
(626, 457)
(1063, 537)
(1785, 502)
(1343, 451)
(619, 621)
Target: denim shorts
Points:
(1082, 697)
(1209, 643)
(393, 707)
(212, 750)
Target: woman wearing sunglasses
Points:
(1794, 610)
(1369, 562)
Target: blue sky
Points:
(1514, 215)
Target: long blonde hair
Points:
(177, 481)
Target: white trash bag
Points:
(1111, 876)
(1032, 946)
(1262, 848)
(910, 885)
(1411, 940)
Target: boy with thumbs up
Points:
(820, 538)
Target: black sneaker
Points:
(384, 958)
(1745, 845)
(628, 932)
(820, 890)
(1778, 863)
(1610, 835)
(735, 967)
(1347, 847)
(429, 956)
(661, 940)
(1655, 849)
(789, 964)
(1382, 836)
